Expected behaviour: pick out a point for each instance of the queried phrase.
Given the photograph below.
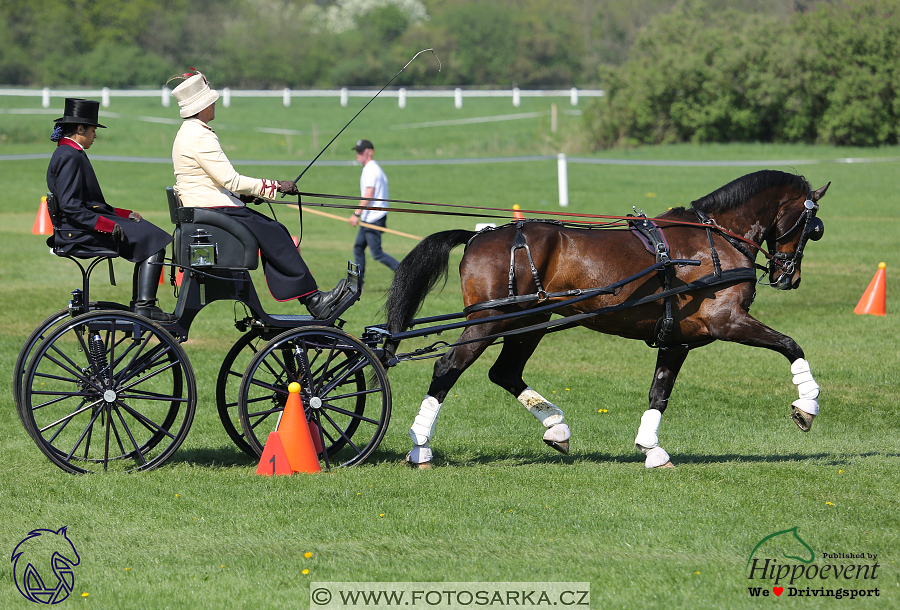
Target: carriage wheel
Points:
(344, 390)
(228, 387)
(108, 391)
(37, 335)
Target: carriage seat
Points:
(237, 248)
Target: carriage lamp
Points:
(203, 253)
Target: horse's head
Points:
(795, 225)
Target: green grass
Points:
(205, 532)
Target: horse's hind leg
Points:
(507, 373)
(668, 364)
(447, 371)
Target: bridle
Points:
(812, 228)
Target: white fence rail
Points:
(344, 94)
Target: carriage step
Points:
(291, 318)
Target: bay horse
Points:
(548, 262)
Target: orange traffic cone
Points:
(517, 213)
(274, 459)
(295, 436)
(874, 300)
(42, 224)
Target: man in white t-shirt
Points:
(373, 186)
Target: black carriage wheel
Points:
(344, 390)
(228, 387)
(109, 391)
(37, 335)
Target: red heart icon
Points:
(777, 591)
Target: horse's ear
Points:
(818, 194)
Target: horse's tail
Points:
(417, 274)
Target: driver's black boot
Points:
(145, 285)
(321, 304)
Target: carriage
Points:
(99, 388)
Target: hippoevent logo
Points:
(43, 566)
(784, 564)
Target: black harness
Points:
(654, 240)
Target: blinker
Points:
(815, 230)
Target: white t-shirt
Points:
(374, 176)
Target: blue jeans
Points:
(372, 239)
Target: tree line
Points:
(826, 75)
(674, 70)
(325, 43)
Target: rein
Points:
(621, 221)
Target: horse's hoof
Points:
(656, 458)
(803, 419)
(561, 446)
(410, 464)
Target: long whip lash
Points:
(367, 104)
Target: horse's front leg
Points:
(750, 331)
(668, 363)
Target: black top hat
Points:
(362, 145)
(81, 112)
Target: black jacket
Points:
(86, 220)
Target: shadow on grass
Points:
(224, 456)
(630, 458)
(230, 456)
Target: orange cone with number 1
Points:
(274, 459)
(874, 299)
(295, 436)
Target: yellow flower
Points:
(85, 594)
(307, 555)
(840, 472)
(381, 515)
(305, 572)
(127, 569)
(830, 503)
(697, 573)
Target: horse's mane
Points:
(738, 191)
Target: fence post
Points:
(286, 97)
(554, 112)
(401, 98)
(165, 96)
(517, 97)
(105, 97)
(573, 96)
(457, 98)
(345, 97)
(563, 173)
(226, 97)
(45, 97)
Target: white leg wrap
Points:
(546, 412)
(647, 433)
(420, 454)
(656, 457)
(803, 379)
(423, 427)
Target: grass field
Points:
(205, 532)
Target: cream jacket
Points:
(204, 177)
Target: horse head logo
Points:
(43, 566)
(787, 541)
